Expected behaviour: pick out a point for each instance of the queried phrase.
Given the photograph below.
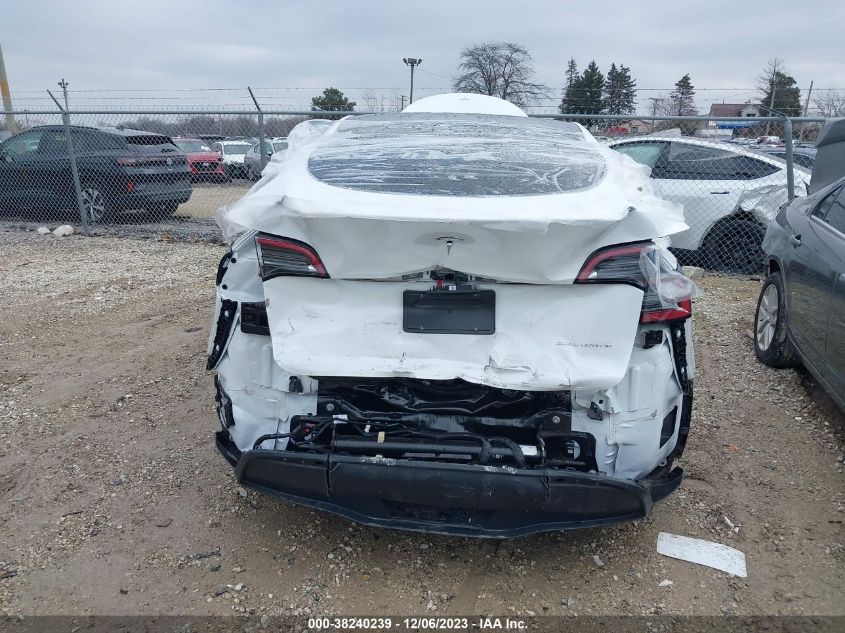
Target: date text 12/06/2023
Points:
(416, 624)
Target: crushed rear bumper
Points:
(446, 498)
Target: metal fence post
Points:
(83, 212)
(261, 147)
(790, 165)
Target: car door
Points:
(834, 242)
(18, 187)
(50, 169)
(811, 272)
(708, 181)
(253, 159)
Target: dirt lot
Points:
(114, 501)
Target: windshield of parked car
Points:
(236, 148)
(457, 155)
(192, 146)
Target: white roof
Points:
(465, 103)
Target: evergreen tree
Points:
(587, 92)
(683, 98)
(787, 96)
(332, 100)
(620, 91)
(571, 78)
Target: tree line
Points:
(506, 70)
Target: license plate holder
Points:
(449, 311)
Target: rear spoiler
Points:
(830, 157)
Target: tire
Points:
(771, 325)
(735, 246)
(251, 174)
(96, 201)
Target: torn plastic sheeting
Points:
(701, 552)
(663, 274)
(547, 337)
(446, 170)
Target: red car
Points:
(205, 163)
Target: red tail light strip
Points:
(683, 311)
(605, 254)
(294, 247)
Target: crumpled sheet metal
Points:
(547, 338)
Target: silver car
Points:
(252, 160)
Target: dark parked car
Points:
(119, 169)
(801, 309)
(801, 156)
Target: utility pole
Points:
(654, 102)
(772, 100)
(807, 102)
(412, 62)
(63, 85)
(7, 97)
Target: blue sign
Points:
(732, 125)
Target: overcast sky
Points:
(167, 44)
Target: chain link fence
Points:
(126, 172)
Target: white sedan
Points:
(729, 195)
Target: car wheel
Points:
(735, 246)
(771, 343)
(95, 202)
(250, 174)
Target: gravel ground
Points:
(114, 500)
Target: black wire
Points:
(269, 436)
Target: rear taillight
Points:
(615, 264)
(667, 292)
(281, 256)
(682, 311)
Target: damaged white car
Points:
(454, 322)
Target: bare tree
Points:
(830, 104)
(766, 79)
(372, 102)
(499, 69)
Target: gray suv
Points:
(119, 169)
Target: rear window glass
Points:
(192, 146)
(457, 155)
(236, 148)
(148, 139)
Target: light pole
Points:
(412, 62)
(63, 85)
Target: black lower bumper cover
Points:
(446, 498)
